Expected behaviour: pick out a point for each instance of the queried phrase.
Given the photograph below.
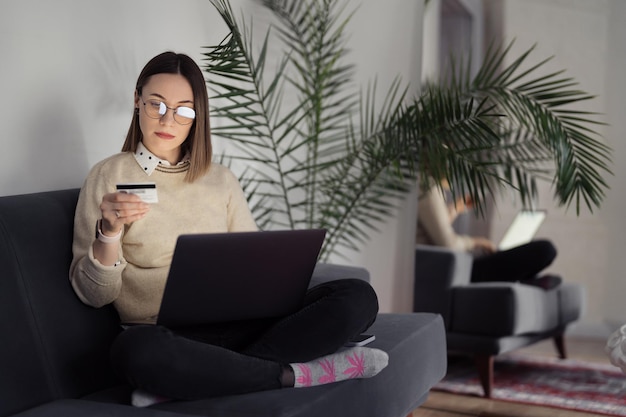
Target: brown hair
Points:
(198, 143)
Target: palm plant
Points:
(332, 158)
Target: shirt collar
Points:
(149, 161)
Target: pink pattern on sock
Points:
(305, 379)
(358, 366)
(329, 371)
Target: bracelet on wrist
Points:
(104, 238)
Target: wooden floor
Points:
(440, 404)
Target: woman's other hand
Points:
(484, 245)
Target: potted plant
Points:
(334, 159)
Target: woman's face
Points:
(163, 136)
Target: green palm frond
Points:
(319, 152)
(528, 132)
(313, 33)
(252, 111)
(307, 158)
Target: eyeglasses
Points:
(156, 109)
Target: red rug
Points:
(567, 384)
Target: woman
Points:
(522, 263)
(127, 260)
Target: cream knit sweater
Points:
(434, 226)
(213, 203)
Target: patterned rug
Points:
(567, 384)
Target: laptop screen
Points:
(223, 277)
(522, 229)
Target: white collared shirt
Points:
(149, 161)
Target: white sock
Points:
(141, 398)
(357, 362)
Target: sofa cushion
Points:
(413, 341)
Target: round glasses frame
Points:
(156, 109)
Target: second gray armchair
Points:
(487, 319)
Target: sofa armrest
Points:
(325, 272)
(437, 270)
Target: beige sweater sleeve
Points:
(434, 226)
(95, 284)
(239, 215)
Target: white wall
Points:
(614, 311)
(68, 72)
(586, 39)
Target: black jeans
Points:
(248, 356)
(521, 263)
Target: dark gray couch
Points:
(54, 349)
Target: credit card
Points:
(145, 190)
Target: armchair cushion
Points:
(571, 298)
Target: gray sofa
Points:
(54, 350)
(486, 319)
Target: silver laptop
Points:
(222, 277)
(523, 228)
